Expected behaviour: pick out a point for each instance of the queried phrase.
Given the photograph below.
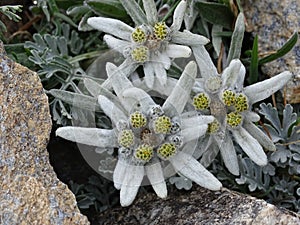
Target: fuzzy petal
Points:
(151, 12)
(196, 120)
(188, 38)
(118, 79)
(89, 136)
(96, 89)
(192, 169)
(205, 64)
(178, 51)
(111, 26)
(231, 73)
(190, 147)
(112, 110)
(149, 74)
(194, 132)
(259, 91)
(199, 85)
(237, 38)
(178, 15)
(160, 73)
(139, 99)
(164, 90)
(259, 135)
(162, 58)
(252, 116)
(119, 173)
(131, 184)
(250, 146)
(210, 152)
(228, 154)
(116, 44)
(135, 12)
(155, 175)
(202, 147)
(126, 69)
(177, 100)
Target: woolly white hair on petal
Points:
(250, 146)
(111, 26)
(89, 136)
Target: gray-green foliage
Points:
(181, 182)
(279, 180)
(9, 11)
(53, 54)
(98, 192)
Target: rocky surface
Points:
(275, 21)
(30, 191)
(200, 207)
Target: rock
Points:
(30, 191)
(275, 21)
(200, 207)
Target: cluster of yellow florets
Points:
(213, 127)
(140, 54)
(160, 30)
(241, 103)
(144, 152)
(234, 119)
(201, 101)
(138, 120)
(166, 150)
(228, 98)
(138, 35)
(126, 138)
(162, 125)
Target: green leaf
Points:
(111, 8)
(216, 13)
(78, 100)
(282, 51)
(254, 62)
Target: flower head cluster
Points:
(224, 97)
(148, 135)
(153, 139)
(150, 43)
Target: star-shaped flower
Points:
(150, 43)
(149, 137)
(224, 97)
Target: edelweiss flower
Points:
(224, 97)
(148, 136)
(151, 43)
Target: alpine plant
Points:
(150, 138)
(224, 97)
(150, 43)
